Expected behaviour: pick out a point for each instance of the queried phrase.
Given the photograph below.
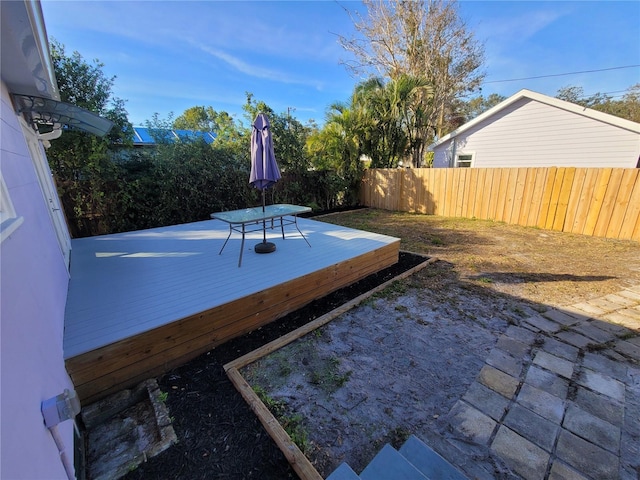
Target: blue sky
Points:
(169, 56)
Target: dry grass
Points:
(542, 266)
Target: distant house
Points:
(34, 253)
(533, 130)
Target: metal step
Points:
(414, 461)
(389, 464)
(343, 472)
(426, 460)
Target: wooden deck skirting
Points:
(124, 363)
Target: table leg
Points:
(295, 220)
(241, 247)
(225, 242)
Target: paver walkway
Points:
(559, 395)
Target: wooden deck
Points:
(143, 302)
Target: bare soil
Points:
(392, 366)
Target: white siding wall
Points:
(532, 134)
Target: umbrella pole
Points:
(264, 247)
(264, 224)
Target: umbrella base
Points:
(265, 247)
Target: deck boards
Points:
(140, 302)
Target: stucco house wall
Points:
(533, 130)
(33, 275)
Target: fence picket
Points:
(592, 201)
(622, 202)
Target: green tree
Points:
(86, 177)
(384, 122)
(421, 39)
(627, 107)
(205, 119)
(476, 106)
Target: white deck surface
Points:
(128, 283)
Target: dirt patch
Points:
(447, 316)
(382, 371)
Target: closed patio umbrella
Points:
(264, 169)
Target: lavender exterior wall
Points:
(33, 287)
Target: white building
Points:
(533, 130)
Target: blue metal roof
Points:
(147, 136)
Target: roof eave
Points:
(555, 102)
(26, 66)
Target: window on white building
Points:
(464, 160)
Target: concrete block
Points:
(472, 423)
(542, 403)
(499, 381)
(635, 288)
(599, 363)
(633, 312)
(630, 294)
(589, 309)
(543, 324)
(579, 314)
(532, 426)
(592, 331)
(574, 338)
(521, 334)
(547, 381)
(486, 400)
(601, 383)
(560, 349)
(555, 364)
(604, 304)
(599, 405)
(519, 454)
(560, 471)
(625, 320)
(620, 300)
(628, 349)
(587, 458)
(617, 330)
(592, 428)
(504, 362)
(564, 317)
(514, 347)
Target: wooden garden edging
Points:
(602, 202)
(300, 463)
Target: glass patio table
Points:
(246, 220)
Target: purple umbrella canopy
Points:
(264, 168)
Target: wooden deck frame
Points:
(121, 364)
(296, 458)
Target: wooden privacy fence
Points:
(603, 202)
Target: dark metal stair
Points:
(414, 461)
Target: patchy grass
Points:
(292, 423)
(552, 268)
